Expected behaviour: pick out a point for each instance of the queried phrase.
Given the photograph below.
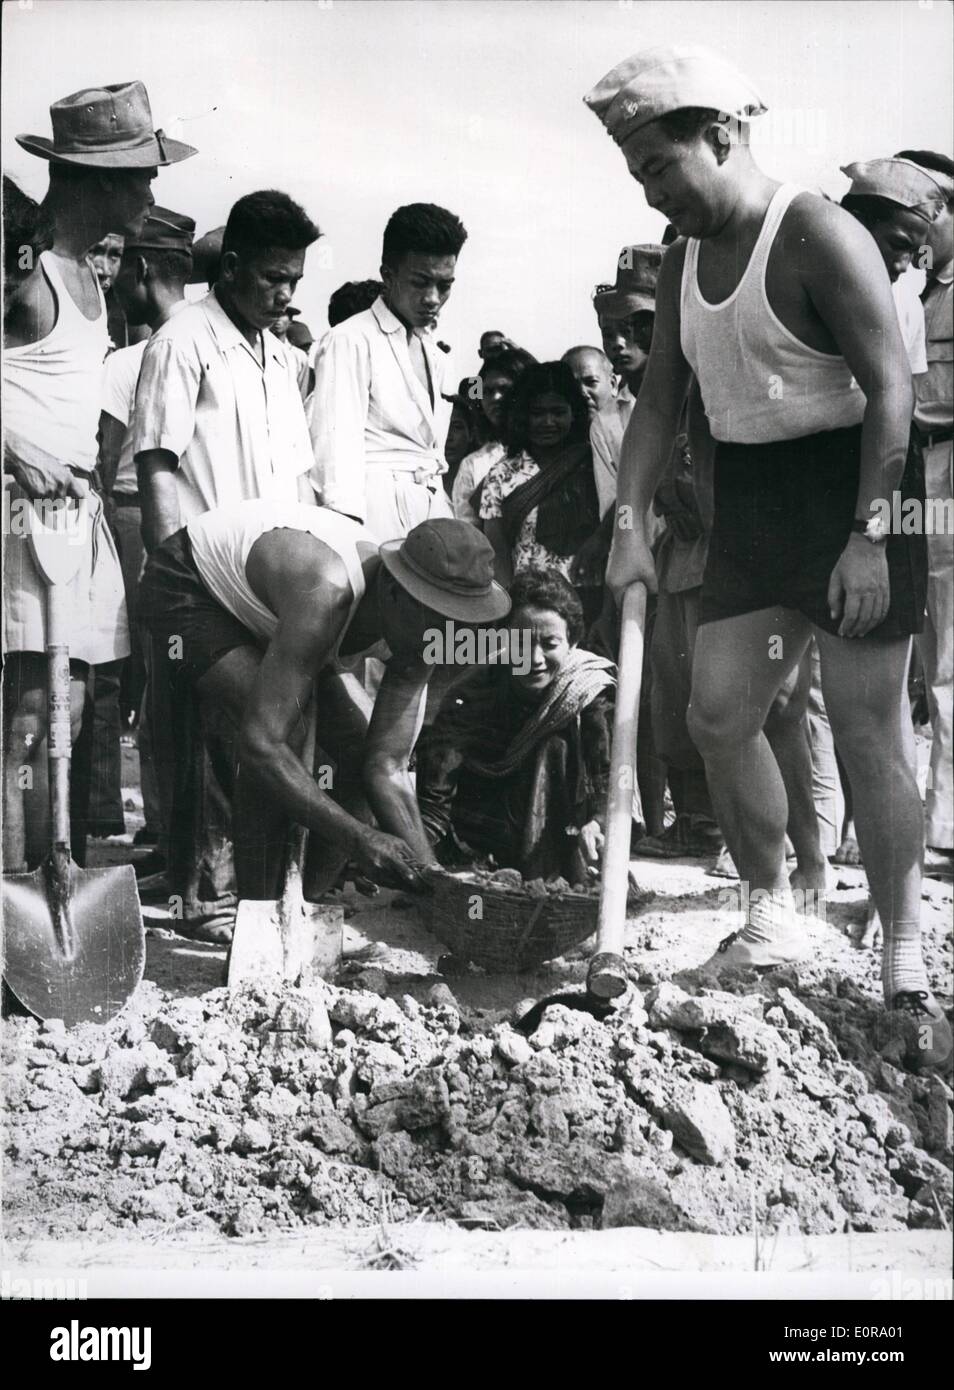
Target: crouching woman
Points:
(516, 764)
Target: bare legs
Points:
(739, 666)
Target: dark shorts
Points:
(783, 516)
(187, 624)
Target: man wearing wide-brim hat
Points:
(103, 156)
(778, 302)
(272, 599)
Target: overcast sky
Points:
(357, 106)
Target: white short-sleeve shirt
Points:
(237, 427)
(907, 301)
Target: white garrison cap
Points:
(669, 78)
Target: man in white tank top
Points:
(791, 357)
(259, 604)
(103, 157)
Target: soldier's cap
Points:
(206, 254)
(164, 230)
(669, 78)
(637, 271)
(899, 181)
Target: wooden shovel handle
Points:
(298, 836)
(59, 744)
(607, 977)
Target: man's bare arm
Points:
(654, 423)
(650, 434)
(849, 288)
(850, 291)
(395, 725)
(112, 432)
(310, 622)
(158, 495)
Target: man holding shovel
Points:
(781, 307)
(103, 157)
(261, 603)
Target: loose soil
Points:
(399, 1094)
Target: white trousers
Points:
(937, 653)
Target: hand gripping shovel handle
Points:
(606, 978)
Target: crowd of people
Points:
(275, 524)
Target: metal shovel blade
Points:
(86, 973)
(277, 940)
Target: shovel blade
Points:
(91, 977)
(270, 943)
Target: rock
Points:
(671, 1007)
(366, 1013)
(395, 1154)
(121, 1071)
(441, 996)
(373, 980)
(252, 1136)
(877, 1114)
(549, 1120)
(333, 1136)
(160, 1203)
(513, 1047)
(807, 1023)
(642, 1201)
(410, 1105)
(699, 1122)
(939, 1131)
(577, 1170)
(745, 1043)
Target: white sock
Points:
(902, 965)
(769, 914)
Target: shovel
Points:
(288, 938)
(73, 940)
(606, 978)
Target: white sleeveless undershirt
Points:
(758, 381)
(222, 539)
(51, 388)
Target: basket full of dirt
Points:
(503, 923)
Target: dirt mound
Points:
(269, 1109)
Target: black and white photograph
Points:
(478, 672)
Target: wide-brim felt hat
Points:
(448, 566)
(106, 128)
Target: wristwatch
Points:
(873, 530)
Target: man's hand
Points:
(859, 591)
(631, 561)
(589, 562)
(389, 861)
(47, 480)
(592, 841)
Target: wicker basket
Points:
(515, 931)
